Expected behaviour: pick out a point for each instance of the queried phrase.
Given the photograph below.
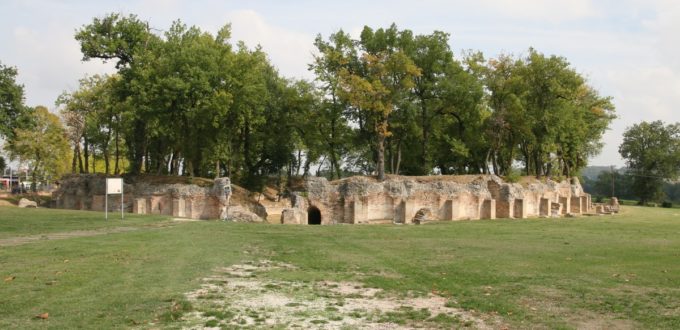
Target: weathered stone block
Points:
(293, 216)
(139, 206)
(178, 207)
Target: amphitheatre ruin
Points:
(354, 200)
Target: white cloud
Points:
(541, 10)
(52, 63)
(289, 51)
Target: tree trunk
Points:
(34, 177)
(107, 167)
(80, 160)
(398, 158)
(76, 156)
(138, 146)
(381, 157)
(86, 151)
(116, 168)
(426, 136)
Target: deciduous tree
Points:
(652, 153)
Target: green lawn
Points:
(15, 222)
(544, 273)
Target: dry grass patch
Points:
(241, 296)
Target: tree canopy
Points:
(652, 153)
(43, 146)
(13, 112)
(188, 102)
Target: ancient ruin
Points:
(354, 200)
(406, 200)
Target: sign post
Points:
(114, 186)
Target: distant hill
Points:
(591, 172)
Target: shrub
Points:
(514, 175)
(667, 204)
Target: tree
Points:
(44, 145)
(544, 115)
(92, 116)
(329, 132)
(381, 84)
(114, 37)
(13, 113)
(652, 153)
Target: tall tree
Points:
(329, 122)
(13, 113)
(652, 153)
(380, 86)
(44, 145)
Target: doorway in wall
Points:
(313, 216)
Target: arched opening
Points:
(313, 216)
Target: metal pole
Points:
(106, 201)
(122, 192)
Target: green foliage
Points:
(13, 112)
(545, 115)
(43, 146)
(3, 164)
(114, 37)
(652, 153)
(191, 103)
(513, 176)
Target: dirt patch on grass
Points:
(242, 296)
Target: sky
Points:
(629, 50)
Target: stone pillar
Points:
(589, 203)
(575, 205)
(360, 211)
(178, 207)
(139, 205)
(584, 204)
(409, 211)
(565, 201)
(452, 209)
(190, 209)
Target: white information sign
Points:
(114, 186)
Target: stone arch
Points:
(313, 216)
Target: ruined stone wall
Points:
(87, 192)
(354, 200)
(415, 199)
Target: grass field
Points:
(618, 271)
